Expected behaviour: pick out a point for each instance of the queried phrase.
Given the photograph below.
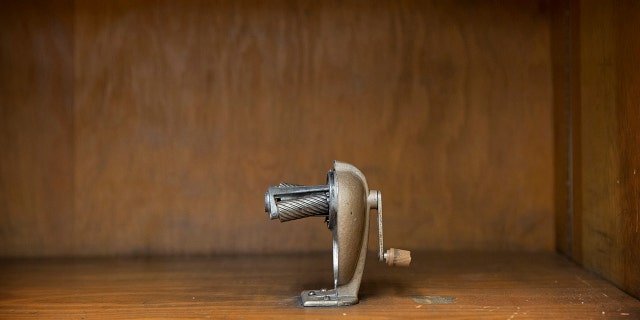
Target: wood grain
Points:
(184, 112)
(36, 128)
(606, 157)
(628, 113)
(436, 286)
(610, 155)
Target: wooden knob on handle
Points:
(398, 257)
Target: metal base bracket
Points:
(326, 298)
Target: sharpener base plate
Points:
(326, 298)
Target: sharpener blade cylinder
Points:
(287, 201)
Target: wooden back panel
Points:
(165, 122)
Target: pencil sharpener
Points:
(344, 202)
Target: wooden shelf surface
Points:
(437, 286)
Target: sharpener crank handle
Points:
(393, 257)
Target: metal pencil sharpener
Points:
(344, 202)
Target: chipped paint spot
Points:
(433, 299)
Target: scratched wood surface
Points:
(179, 114)
(606, 139)
(436, 286)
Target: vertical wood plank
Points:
(564, 71)
(565, 52)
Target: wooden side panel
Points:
(601, 236)
(36, 127)
(628, 22)
(607, 160)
